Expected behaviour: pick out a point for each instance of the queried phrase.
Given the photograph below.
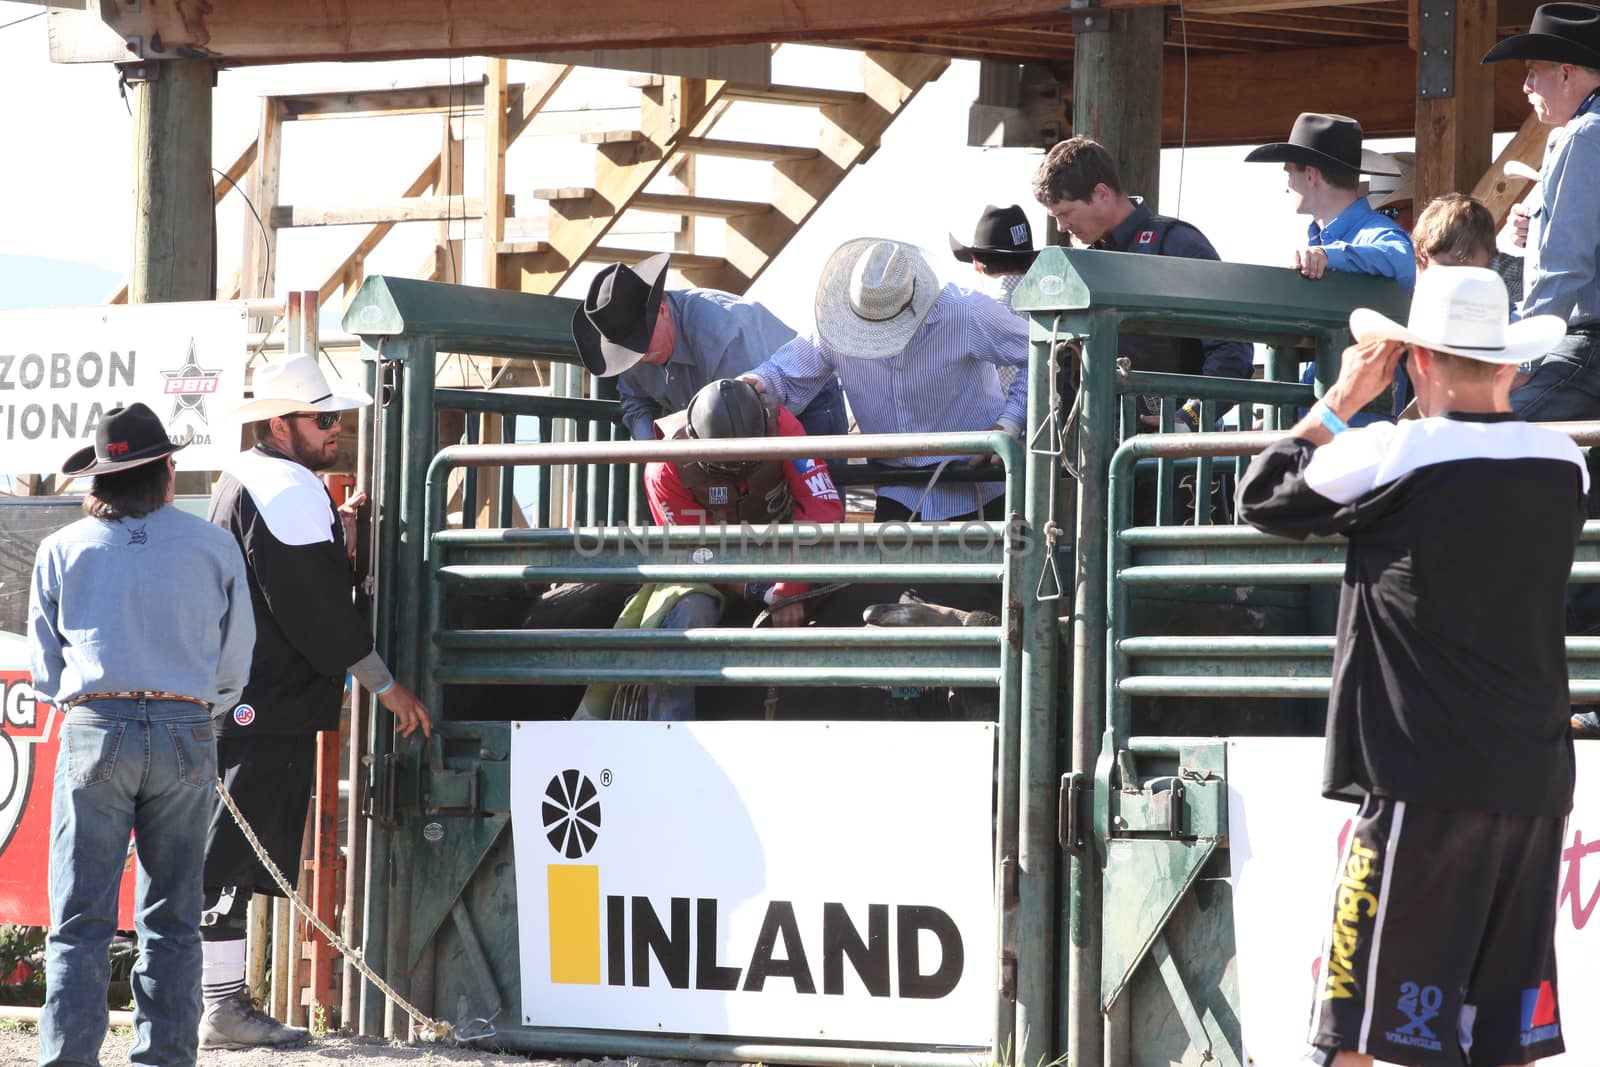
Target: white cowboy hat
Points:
(873, 297)
(1463, 311)
(295, 384)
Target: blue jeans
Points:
(825, 415)
(1565, 384)
(675, 703)
(146, 768)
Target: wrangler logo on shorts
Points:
(1420, 1005)
(1354, 901)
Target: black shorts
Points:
(1442, 944)
(270, 778)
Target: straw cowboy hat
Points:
(126, 438)
(295, 384)
(1003, 240)
(1559, 33)
(1319, 141)
(1463, 311)
(613, 327)
(873, 296)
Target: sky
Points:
(68, 187)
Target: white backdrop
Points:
(62, 369)
(1283, 838)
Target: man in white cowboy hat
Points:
(1447, 721)
(1323, 162)
(1561, 215)
(308, 636)
(139, 623)
(914, 357)
(666, 345)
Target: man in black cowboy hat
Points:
(1323, 160)
(1562, 214)
(1001, 248)
(139, 623)
(667, 345)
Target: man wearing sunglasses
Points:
(308, 637)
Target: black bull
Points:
(584, 606)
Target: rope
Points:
(431, 1029)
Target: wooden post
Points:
(172, 187)
(450, 179)
(1116, 92)
(494, 170)
(1453, 132)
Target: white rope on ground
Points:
(432, 1029)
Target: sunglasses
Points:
(325, 420)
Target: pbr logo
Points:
(189, 386)
(26, 721)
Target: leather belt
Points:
(137, 694)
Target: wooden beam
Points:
(1117, 94)
(497, 95)
(407, 209)
(172, 185)
(283, 31)
(1453, 132)
(1249, 99)
(1497, 190)
(415, 100)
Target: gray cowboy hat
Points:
(1559, 33)
(126, 438)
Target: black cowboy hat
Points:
(127, 437)
(1002, 241)
(613, 327)
(1559, 33)
(1317, 141)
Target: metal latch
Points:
(383, 785)
(446, 790)
(1072, 821)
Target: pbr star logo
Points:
(189, 386)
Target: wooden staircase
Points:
(677, 122)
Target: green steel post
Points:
(1097, 401)
(1034, 1025)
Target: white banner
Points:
(1284, 842)
(815, 880)
(62, 369)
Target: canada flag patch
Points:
(244, 715)
(1146, 237)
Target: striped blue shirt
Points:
(945, 381)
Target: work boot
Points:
(236, 1022)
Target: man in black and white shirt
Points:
(308, 636)
(1447, 720)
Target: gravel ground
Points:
(20, 1046)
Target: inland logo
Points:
(902, 950)
(26, 722)
(189, 386)
(1540, 1022)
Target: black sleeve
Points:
(308, 592)
(1276, 497)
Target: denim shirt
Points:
(718, 336)
(1363, 241)
(1559, 271)
(155, 603)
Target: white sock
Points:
(223, 972)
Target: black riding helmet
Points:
(728, 408)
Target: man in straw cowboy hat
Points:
(139, 623)
(914, 357)
(1561, 216)
(308, 636)
(1323, 162)
(666, 345)
(1448, 716)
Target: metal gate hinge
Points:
(1072, 821)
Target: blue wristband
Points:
(385, 689)
(1334, 423)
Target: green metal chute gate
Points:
(1138, 839)
(441, 928)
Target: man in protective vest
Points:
(757, 493)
